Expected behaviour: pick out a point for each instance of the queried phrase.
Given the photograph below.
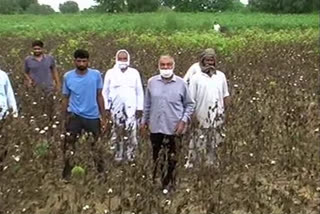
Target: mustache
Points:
(82, 68)
(208, 68)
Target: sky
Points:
(82, 3)
(55, 3)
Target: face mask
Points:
(166, 73)
(122, 65)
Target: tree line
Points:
(140, 6)
(33, 7)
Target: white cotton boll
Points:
(4, 168)
(42, 132)
(57, 122)
(273, 162)
(34, 103)
(165, 191)
(110, 191)
(54, 126)
(188, 190)
(125, 138)
(37, 129)
(251, 155)
(46, 128)
(32, 117)
(62, 136)
(16, 158)
(168, 202)
(201, 136)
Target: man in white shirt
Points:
(7, 99)
(209, 90)
(123, 95)
(219, 77)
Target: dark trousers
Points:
(75, 125)
(167, 161)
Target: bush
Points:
(9, 7)
(69, 7)
(40, 9)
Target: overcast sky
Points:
(55, 3)
(82, 3)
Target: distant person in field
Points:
(123, 98)
(216, 27)
(82, 107)
(167, 109)
(208, 90)
(40, 69)
(7, 98)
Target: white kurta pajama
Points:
(123, 95)
(208, 94)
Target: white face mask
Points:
(166, 73)
(122, 65)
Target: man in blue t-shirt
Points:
(83, 105)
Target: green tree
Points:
(284, 6)
(142, 5)
(40, 9)
(69, 7)
(111, 6)
(24, 4)
(9, 7)
(198, 5)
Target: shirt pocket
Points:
(174, 97)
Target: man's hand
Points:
(30, 83)
(103, 124)
(180, 128)
(143, 129)
(139, 114)
(65, 121)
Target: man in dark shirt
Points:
(40, 69)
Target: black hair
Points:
(82, 54)
(37, 43)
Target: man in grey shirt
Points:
(168, 107)
(40, 69)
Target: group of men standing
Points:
(166, 109)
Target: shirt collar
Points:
(43, 57)
(174, 78)
(206, 75)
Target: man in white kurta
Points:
(220, 79)
(123, 95)
(7, 98)
(208, 88)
